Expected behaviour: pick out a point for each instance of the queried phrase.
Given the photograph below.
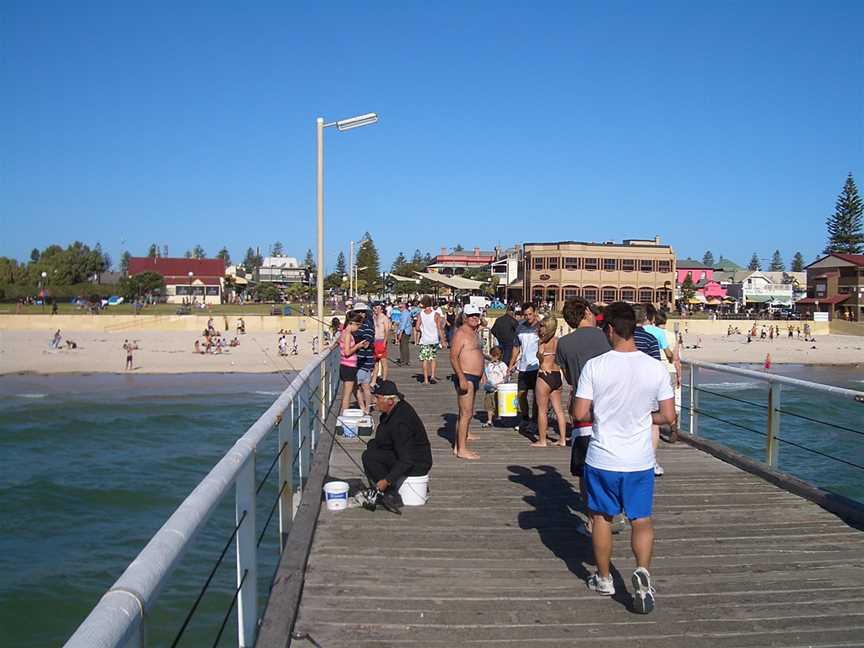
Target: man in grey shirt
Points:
(586, 341)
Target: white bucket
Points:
(508, 399)
(336, 495)
(414, 490)
(349, 426)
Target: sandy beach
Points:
(163, 352)
(169, 352)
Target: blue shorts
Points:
(610, 491)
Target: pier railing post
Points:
(772, 445)
(247, 554)
(285, 429)
(694, 401)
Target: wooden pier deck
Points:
(494, 557)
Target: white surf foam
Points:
(31, 395)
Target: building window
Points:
(610, 265)
(609, 294)
(646, 295)
(646, 265)
(628, 265)
(571, 263)
(553, 263)
(212, 291)
(628, 294)
(539, 263)
(661, 295)
(570, 292)
(664, 266)
(537, 294)
(591, 263)
(590, 293)
(552, 294)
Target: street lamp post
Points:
(341, 125)
(42, 289)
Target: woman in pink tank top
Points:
(348, 357)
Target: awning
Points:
(240, 281)
(459, 283)
(758, 299)
(401, 278)
(694, 300)
(833, 299)
(714, 302)
(785, 300)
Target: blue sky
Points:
(727, 126)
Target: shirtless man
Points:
(467, 360)
(382, 328)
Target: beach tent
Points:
(459, 283)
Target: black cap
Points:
(386, 388)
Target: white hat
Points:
(360, 306)
(470, 309)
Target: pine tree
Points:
(309, 261)
(224, 255)
(198, 252)
(417, 260)
(34, 255)
(754, 262)
(187, 254)
(277, 249)
(153, 252)
(798, 262)
(708, 259)
(165, 250)
(846, 224)
(688, 288)
(399, 263)
(340, 265)
(367, 257)
(124, 261)
(458, 248)
(250, 261)
(777, 264)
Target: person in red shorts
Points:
(382, 328)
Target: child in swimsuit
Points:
(549, 384)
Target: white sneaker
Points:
(643, 591)
(603, 586)
(658, 470)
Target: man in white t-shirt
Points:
(620, 389)
(524, 359)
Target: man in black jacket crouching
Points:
(400, 447)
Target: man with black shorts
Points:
(618, 391)
(525, 359)
(586, 341)
(467, 360)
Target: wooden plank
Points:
(494, 558)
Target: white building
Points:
(760, 290)
(281, 270)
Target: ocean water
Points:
(830, 451)
(91, 466)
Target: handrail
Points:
(118, 619)
(846, 506)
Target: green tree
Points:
(267, 292)
(187, 254)
(754, 263)
(198, 252)
(153, 251)
(309, 261)
(777, 264)
(252, 260)
(367, 257)
(224, 255)
(34, 255)
(124, 261)
(417, 260)
(341, 268)
(277, 249)
(846, 224)
(142, 284)
(399, 263)
(708, 259)
(458, 248)
(688, 289)
(798, 262)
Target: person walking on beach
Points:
(430, 324)
(128, 347)
(549, 384)
(525, 361)
(618, 391)
(467, 360)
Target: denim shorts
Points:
(364, 376)
(610, 491)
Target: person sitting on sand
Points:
(197, 346)
(234, 342)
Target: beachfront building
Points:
(507, 269)
(755, 290)
(457, 263)
(196, 281)
(280, 270)
(709, 291)
(835, 285)
(635, 270)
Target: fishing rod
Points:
(371, 496)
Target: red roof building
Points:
(186, 280)
(835, 285)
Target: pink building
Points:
(702, 277)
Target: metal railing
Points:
(119, 619)
(774, 412)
